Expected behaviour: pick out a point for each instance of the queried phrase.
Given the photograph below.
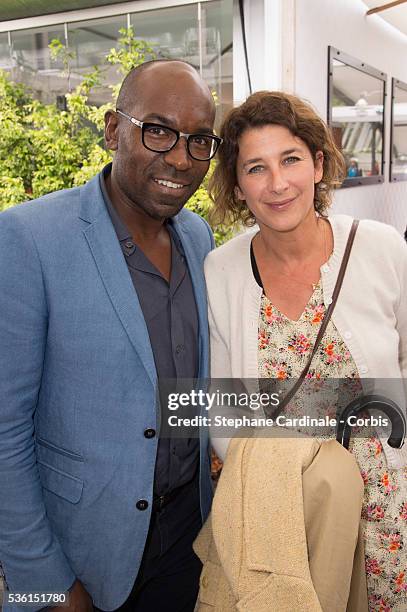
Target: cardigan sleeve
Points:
(220, 356)
(219, 368)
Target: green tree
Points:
(201, 203)
(16, 161)
(60, 51)
(44, 148)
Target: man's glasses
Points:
(161, 139)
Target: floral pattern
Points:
(283, 349)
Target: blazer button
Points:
(149, 433)
(142, 504)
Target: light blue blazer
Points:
(77, 391)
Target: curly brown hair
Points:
(272, 108)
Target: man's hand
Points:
(79, 600)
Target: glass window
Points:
(90, 43)
(166, 30)
(217, 52)
(358, 111)
(356, 116)
(5, 57)
(172, 32)
(32, 64)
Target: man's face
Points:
(170, 94)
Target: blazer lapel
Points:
(102, 240)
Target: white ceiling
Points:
(396, 16)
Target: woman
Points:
(269, 290)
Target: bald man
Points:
(102, 295)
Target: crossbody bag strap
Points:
(288, 397)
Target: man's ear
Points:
(111, 130)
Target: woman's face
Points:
(276, 176)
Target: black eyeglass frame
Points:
(143, 125)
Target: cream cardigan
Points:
(370, 314)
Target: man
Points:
(102, 292)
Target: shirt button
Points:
(364, 369)
(329, 301)
(149, 433)
(179, 349)
(347, 335)
(142, 504)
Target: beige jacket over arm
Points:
(268, 551)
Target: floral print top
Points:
(283, 349)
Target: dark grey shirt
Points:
(169, 310)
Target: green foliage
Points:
(97, 159)
(15, 146)
(201, 203)
(130, 53)
(59, 51)
(12, 190)
(44, 149)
